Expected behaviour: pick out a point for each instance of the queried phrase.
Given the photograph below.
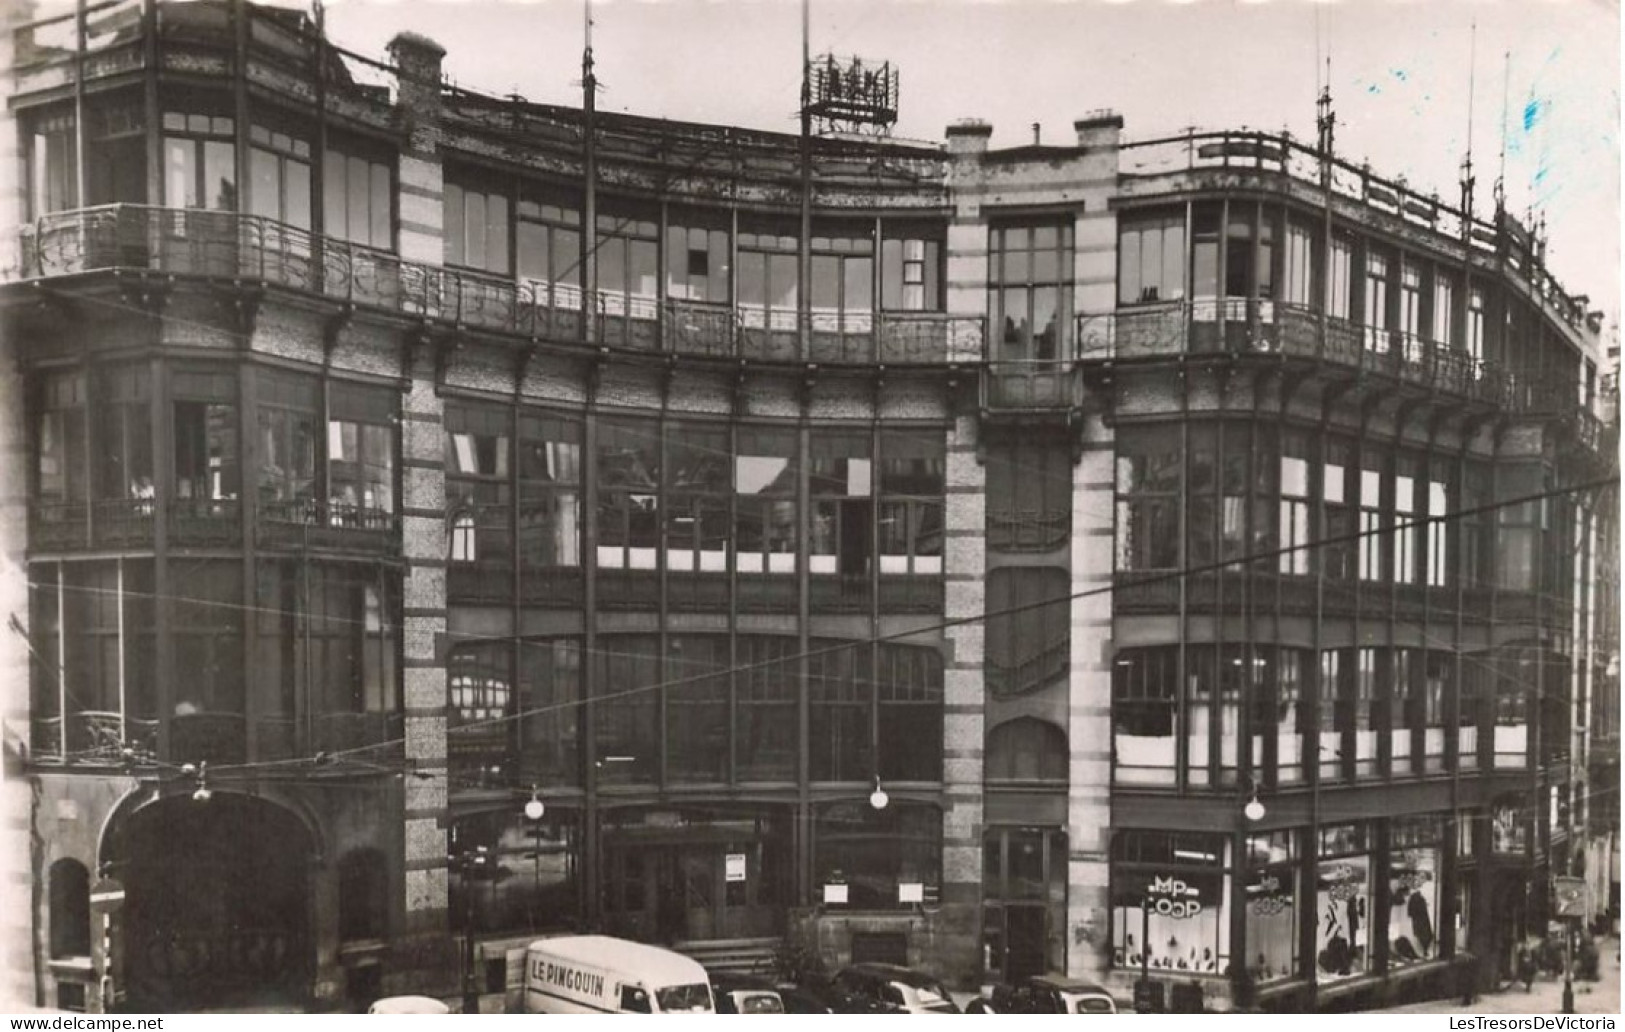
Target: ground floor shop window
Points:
(1414, 873)
(527, 876)
(868, 859)
(1170, 902)
(1342, 903)
(1272, 907)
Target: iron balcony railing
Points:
(1018, 388)
(236, 247)
(1230, 152)
(1259, 326)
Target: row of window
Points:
(199, 155)
(664, 717)
(1226, 491)
(877, 859)
(704, 260)
(308, 440)
(1171, 899)
(1382, 711)
(692, 496)
(1252, 250)
(303, 658)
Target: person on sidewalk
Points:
(1526, 967)
(1467, 979)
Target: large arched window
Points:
(70, 909)
(1027, 749)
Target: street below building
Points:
(1545, 996)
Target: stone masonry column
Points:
(429, 964)
(964, 569)
(17, 969)
(1089, 800)
(1089, 731)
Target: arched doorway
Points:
(217, 908)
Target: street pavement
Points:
(1544, 997)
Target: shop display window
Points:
(1343, 912)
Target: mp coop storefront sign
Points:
(1172, 896)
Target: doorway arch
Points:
(218, 902)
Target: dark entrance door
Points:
(1025, 940)
(216, 912)
(667, 879)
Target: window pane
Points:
(266, 187)
(782, 279)
(180, 173)
(476, 229)
(296, 210)
(220, 174)
(456, 235)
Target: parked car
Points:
(408, 1005)
(807, 999)
(889, 989)
(1046, 994)
(743, 994)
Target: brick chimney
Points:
(968, 136)
(417, 62)
(420, 183)
(1099, 130)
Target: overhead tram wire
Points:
(1149, 578)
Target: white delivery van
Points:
(598, 974)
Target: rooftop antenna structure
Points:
(589, 175)
(1501, 170)
(1325, 117)
(846, 94)
(1467, 180)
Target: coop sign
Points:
(1173, 897)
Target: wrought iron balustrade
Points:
(1150, 591)
(342, 732)
(57, 525)
(698, 328)
(214, 737)
(911, 593)
(124, 521)
(926, 338)
(484, 582)
(697, 591)
(1031, 387)
(205, 521)
(839, 593)
(766, 592)
(553, 586)
(306, 522)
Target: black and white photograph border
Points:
(810, 506)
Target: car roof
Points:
(1061, 983)
(894, 973)
(728, 981)
(408, 1005)
(651, 964)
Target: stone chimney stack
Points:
(1100, 130)
(417, 62)
(421, 184)
(968, 136)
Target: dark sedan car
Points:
(743, 994)
(889, 989)
(1046, 994)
